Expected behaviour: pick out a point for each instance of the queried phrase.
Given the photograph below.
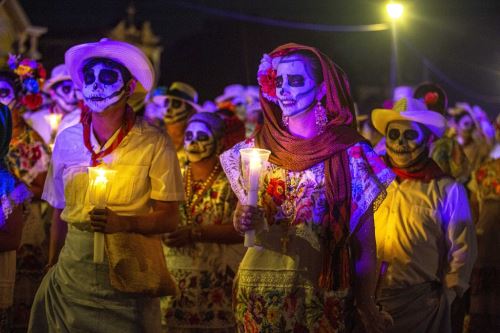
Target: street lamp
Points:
(395, 11)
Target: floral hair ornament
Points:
(266, 75)
(431, 98)
(32, 75)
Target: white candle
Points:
(53, 119)
(98, 193)
(254, 158)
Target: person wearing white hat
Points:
(424, 232)
(77, 293)
(63, 112)
(179, 103)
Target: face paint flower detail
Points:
(103, 86)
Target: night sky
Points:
(458, 38)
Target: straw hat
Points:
(126, 54)
(412, 110)
(179, 90)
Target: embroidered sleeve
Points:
(370, 178)
(230, 161)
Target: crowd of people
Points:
(384, 222)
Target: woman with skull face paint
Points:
(199, 253)
(318, 195)
(425, 236)
(77, 293)
(28, 159)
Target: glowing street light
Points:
(395, 10)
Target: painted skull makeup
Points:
(199, 142)
(6, 93)
(465, 126)
(64, 94)
(103, 86)
(295, 88)
(405, 142)
(177, 110)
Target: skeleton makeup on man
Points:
(177, 110)
(104, 83)
(296, 87)
(199, 142)
(7, 93)
(64, 94)
(406, 143)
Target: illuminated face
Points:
(64, 94)
(7, 95)
(103, 86)
(199, 142)
(405, 142)
(177, 110)
(295, 88)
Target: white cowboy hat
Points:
(412, 110)
(179, 90)
(126, 54)
(230, 92)
(58, 74)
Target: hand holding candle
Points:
(253, 160)
(99, 182)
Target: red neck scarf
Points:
(330, 147)
(86, 119)
(429, 171)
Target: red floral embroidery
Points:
(276, 189)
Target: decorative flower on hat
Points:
(32, 76)
(431, 98)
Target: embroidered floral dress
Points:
(28, 157)
(204, 271)
(276, 288)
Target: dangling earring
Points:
(284, 120)
(320, 114)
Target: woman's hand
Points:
(374, 320)
(106, 221)
(247, 218)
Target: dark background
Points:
(458, 38)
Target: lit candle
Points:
(254, 158)
(53, 119)
(99, 185)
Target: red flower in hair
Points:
(267, 82)
(42, 73)
(32, 101)
(431, 98)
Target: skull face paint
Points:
(7, 95)
(177, 110)
(199, 142)
(405, 142)
(465, 128)
(295, 88)
(64, 94)
(103, 86)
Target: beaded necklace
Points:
(193, 197)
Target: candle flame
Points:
(53, 119)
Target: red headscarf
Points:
(330, 147)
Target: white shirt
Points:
(424, 231)
(146, 165)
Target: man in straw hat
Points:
(425, 237)
(180, 102)
(76, 294)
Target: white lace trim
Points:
(18, 196)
